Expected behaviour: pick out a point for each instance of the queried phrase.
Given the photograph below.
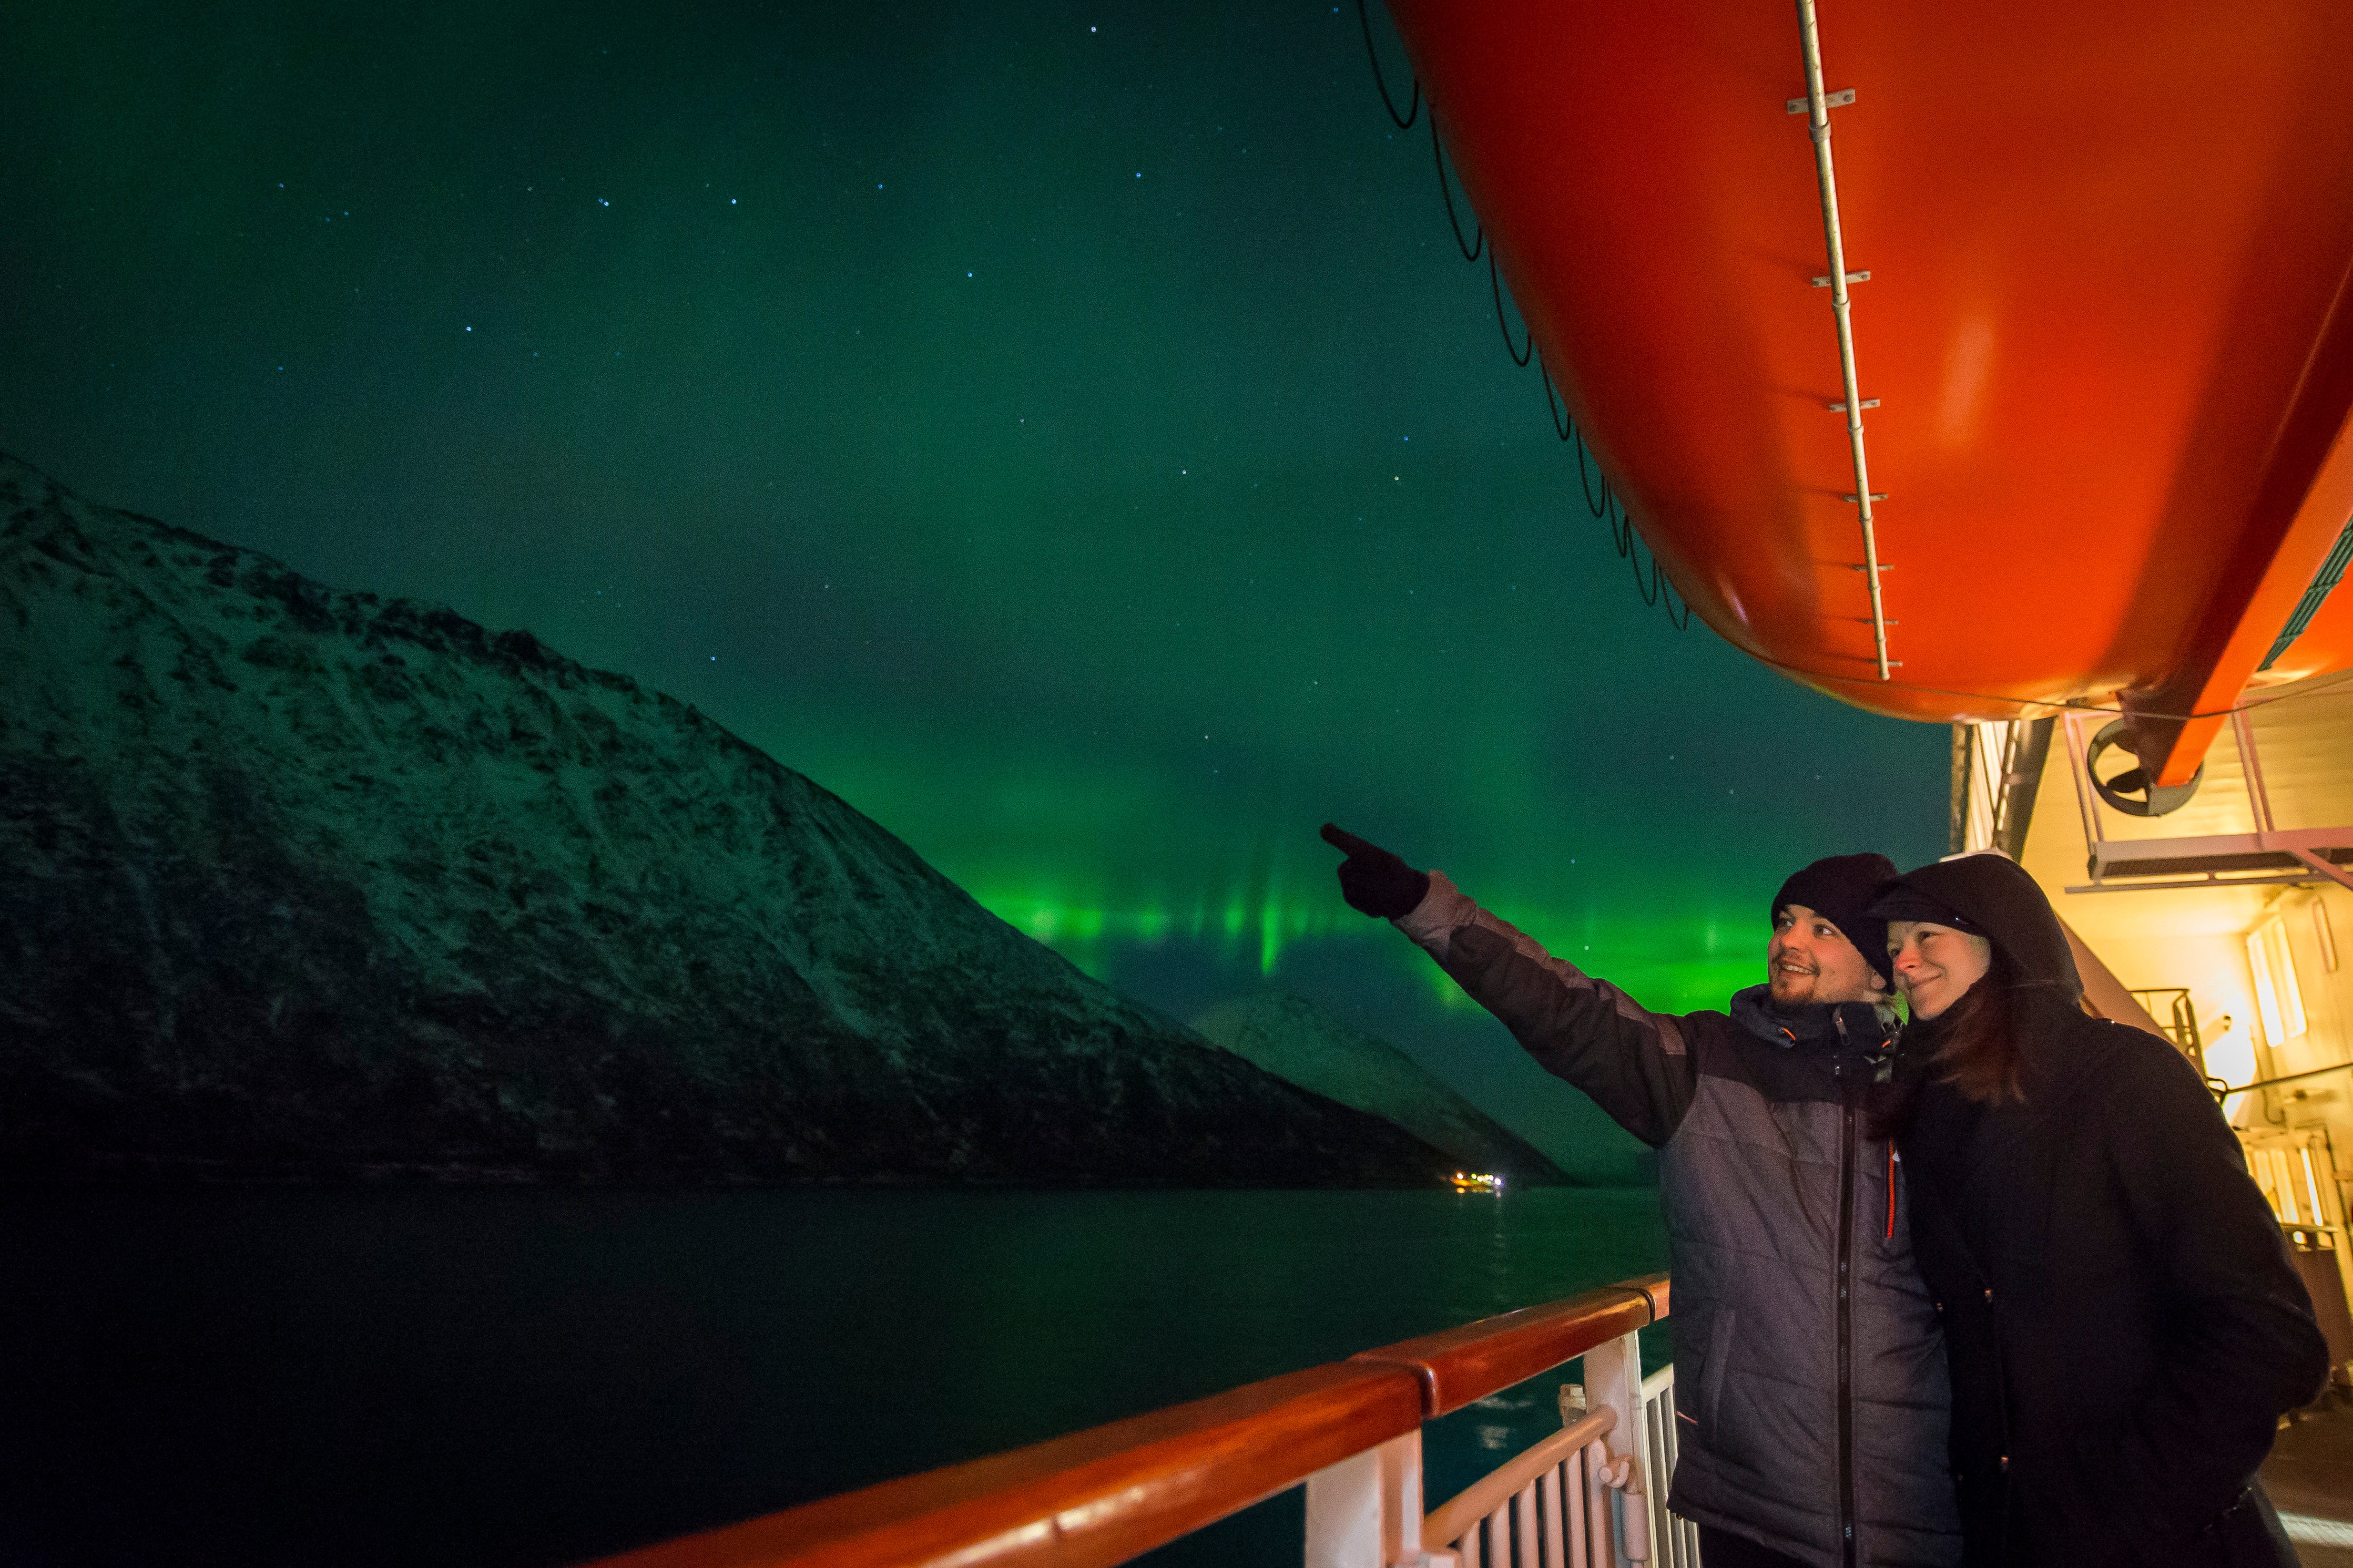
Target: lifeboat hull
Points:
(2106, 326)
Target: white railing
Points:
(1351, 1431)
(1674, 1540)
(1553, 1507)
(1570, 1502)
(1999, 765)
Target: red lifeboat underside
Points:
(2107, 324)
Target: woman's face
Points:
(1935, 965)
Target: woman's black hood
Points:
(1995, 898)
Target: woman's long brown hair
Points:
(1979, 1054)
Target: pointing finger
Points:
(1347, 843)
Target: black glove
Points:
(1374, 880)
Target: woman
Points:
(2121, 1318)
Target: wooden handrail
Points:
(1457, 1366)
(1102, 1496)
(1086, 1501)
(1490, 1491)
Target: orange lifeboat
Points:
(2101, 330)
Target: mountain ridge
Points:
(1303, 1044)
(316, 881)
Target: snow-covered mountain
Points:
(1295, 1039)
(311, 881)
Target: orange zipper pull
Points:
(1891, 1189)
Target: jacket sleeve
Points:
(2244, 1346)
(1634, 1063)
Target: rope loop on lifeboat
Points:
(1601, 507)
(1557, 407)
(1495, 286)
(1683, 625)
(1404, 121)
(1564, 423)
(1611, 508)
(1445, 190)
(1656, 589)
(1667, 593)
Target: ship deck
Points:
(2310, 1479)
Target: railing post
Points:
(1613, 1377)
(1366, 1511)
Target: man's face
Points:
(1810, 959)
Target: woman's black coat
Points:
(2122, 1320)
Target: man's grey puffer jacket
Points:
(1811, 1391)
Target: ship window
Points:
(2278, 995)
(2266, 999)
(2283, 1187)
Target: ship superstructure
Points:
(2223, 922)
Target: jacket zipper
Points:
(1846, 1327)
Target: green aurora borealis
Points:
(1066, 433)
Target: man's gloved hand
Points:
(1374, 880)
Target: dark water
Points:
(530, 1377)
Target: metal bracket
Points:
(1865, 566)
(1861, 277)
(1875, 495)
(1841, 407)
(2328, 869)
(1838, 100)
(2298, 879)
(2230, 859)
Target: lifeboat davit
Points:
(2102, 338)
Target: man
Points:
(1810, 1390)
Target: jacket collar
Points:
(1864, 1026)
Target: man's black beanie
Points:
(1842, 888)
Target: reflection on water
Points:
(533, 1377)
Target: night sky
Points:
(1069, 433)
